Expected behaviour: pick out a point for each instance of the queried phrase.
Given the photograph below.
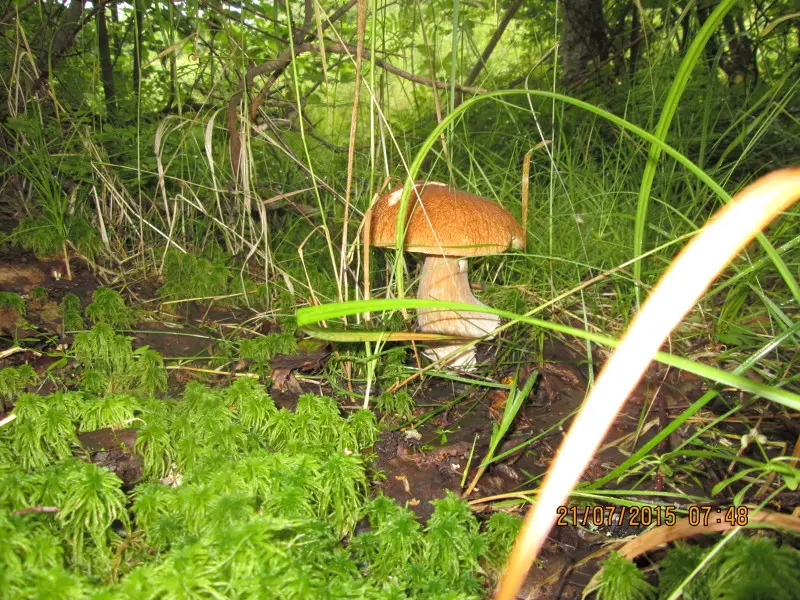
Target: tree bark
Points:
(584, 38)
(63, 37)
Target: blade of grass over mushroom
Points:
(367, 335)
(307, 316)
(427, 145)
(665, 120)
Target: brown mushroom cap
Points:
(445, 221)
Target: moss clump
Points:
(14, 380)
(13, 301)
(258, 504)
(108, 307)
(746, 568)
(113, 366)
(71, 318)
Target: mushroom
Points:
(447, 225)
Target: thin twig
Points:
(35, 509)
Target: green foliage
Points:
(261, 350)
(13, 301)
(622, 580)
(395, 540)
(365, 427)
(187, 276)
(342, 490)
(246, 520)
(400, 405)
(747, 567)
(71, 317)
(750, 568)
(111, 410)
(501, 532)
(285, 317)
(14, 380)
(112, 366)
(252, 403)
(92, 500)
(392, 367)
(45, 236)
(89, 499)
(108, 307)
(209, 276)
(452, 541)
(679, 563)
(43, 431)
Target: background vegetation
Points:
(232, 150)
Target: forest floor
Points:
(418, 460)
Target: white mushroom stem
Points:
(445, 278)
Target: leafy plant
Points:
(71, 317)
(261, 350)
(743, 568)
(43, 431)
(12, 300)
(622, 579)
(252, 403)
(108, 307)
(501, 532)
(392, 367)
(110, 410)
(365, 427)
(14, 380)
(55, 222)
(452, 540)
(395, 541)
(92, 499)
(114, 367)
(400, 405)
(342, 487)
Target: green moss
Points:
(112, 366)
(264, 499)
(71, 317)
(12, 300)
(109, 308)
(396, 406)
(14, 380)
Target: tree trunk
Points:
(584, 39)
(739, 59)
(63, 37)
(106, 68)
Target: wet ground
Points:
(418, 460)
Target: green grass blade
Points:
(662, 128)
(655, 141)
(314, 314)
(694, 408)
